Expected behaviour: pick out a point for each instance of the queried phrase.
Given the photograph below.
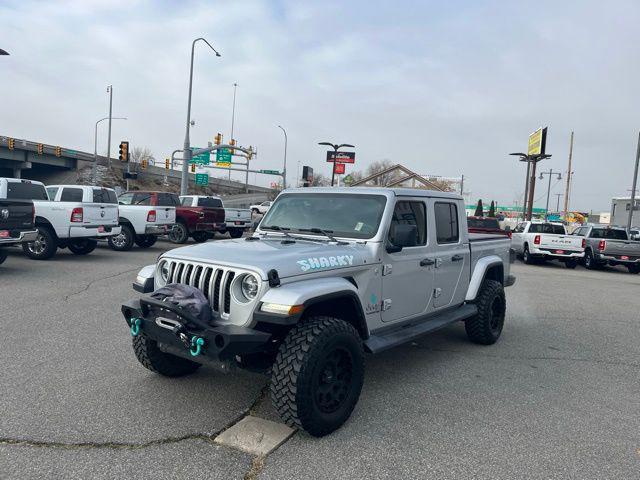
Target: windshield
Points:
(342, 215)
(483, 223)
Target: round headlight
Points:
(164, 272)
(249, 286)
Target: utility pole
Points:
(550, 173)
(558, 195)
(633, 188)
(110, 90)
(568, 186)
(284, 167)
(233, 117)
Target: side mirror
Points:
(401, 236)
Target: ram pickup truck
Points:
(142, 221)
(540, 240)
(17, 224)
(609, 245)
(72, 218)
(236, 220)
(329, 274)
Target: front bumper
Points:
(28, 236)
(97, 231)
(157, 229)
(174, 330)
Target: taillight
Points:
(536, 240)
(584, 243)
(4, 233)
(151, 216)
(76, 215)
(510, 234)
(602, 245)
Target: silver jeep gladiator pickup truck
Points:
(329, 274)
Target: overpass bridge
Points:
(39, 161)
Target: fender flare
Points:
(480, 272)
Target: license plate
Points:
(560, 251)
(101, 229)
(624, 257)
(238, 223)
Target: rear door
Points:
(166, 208)
(103, 208)
(517, 237)
(212, 209)
(451, 254)
(406, 284)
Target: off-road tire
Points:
(486, 326)
(633, 269)
(235, 233)
(589, 261)
(45, 245)
(526, 256)
(303, 372)
(82, 247)
(152, 358)
(200, 237)
(571, 263)
(125, 240)
(179, 233)
(3, 256)
(145, 241)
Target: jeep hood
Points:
(289, 259)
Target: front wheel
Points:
(146, 241)
(318, 374)
(3, 257)
(235, 233)
(151, 357)
(200, 237)
(43, 247)
(123, 242)
(83, 247)
(179, 233)
(589, 261)
(486, 326)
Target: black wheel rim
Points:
(333, 380)
(177, 233)
(497, 309)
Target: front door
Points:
(407, 280)
(452, 256)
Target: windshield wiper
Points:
(326, 233)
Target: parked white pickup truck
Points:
(539, 240)
(67, 216)
(141, 222)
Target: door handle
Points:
(457, 258)
(425, 262)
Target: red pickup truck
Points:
(486, 225)
(200, 223)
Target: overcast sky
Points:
(446, 88)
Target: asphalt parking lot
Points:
(557, 397)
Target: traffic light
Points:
(193, 168)
(40, 149)
(250, 154)
(12, 144)
(58, 152)
(166, 163)
(218, 139)
(124, 152)
(144, 163)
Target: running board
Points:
(377, 343)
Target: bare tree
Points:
(319, 180)
(142, 153)
(444, 185)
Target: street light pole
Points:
(284, 168)
(110, 90)
(550, 173)
(95, 145)
(187, 154)
(335, 147)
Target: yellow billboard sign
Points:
(537, 142)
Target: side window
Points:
(141, 199)
(410, 213)
(187, 201)
(71, 195)
(102, 195)
(168, 200)
(51, 192)
(519, 228)
(125, 199)
(447, 222)
(597, 233)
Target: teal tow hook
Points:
(196, 346)
(135, 326)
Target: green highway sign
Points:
(201, 159)
(202, 179)
(271, 172)
(223, 155)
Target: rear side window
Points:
(187, 202)
(168, 200)
(411, 213)
(210, 202)
(447, 230)
(26, 191)
(52, 192)
(71, 195)
(102, 195)
(141, 199)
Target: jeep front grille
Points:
(213, 281)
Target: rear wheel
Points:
(318, 374)
(123, 242)
(486, 326)
(200, 237)
(44, 246)
(589, 261)
(151, 357)
(145, 241)
(179, 233)
(526, 256)
(571, 263)
(635, 269)
(3, 257)
(82, 247)
(235, 233)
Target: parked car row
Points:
(592, 245)
(45, 219)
